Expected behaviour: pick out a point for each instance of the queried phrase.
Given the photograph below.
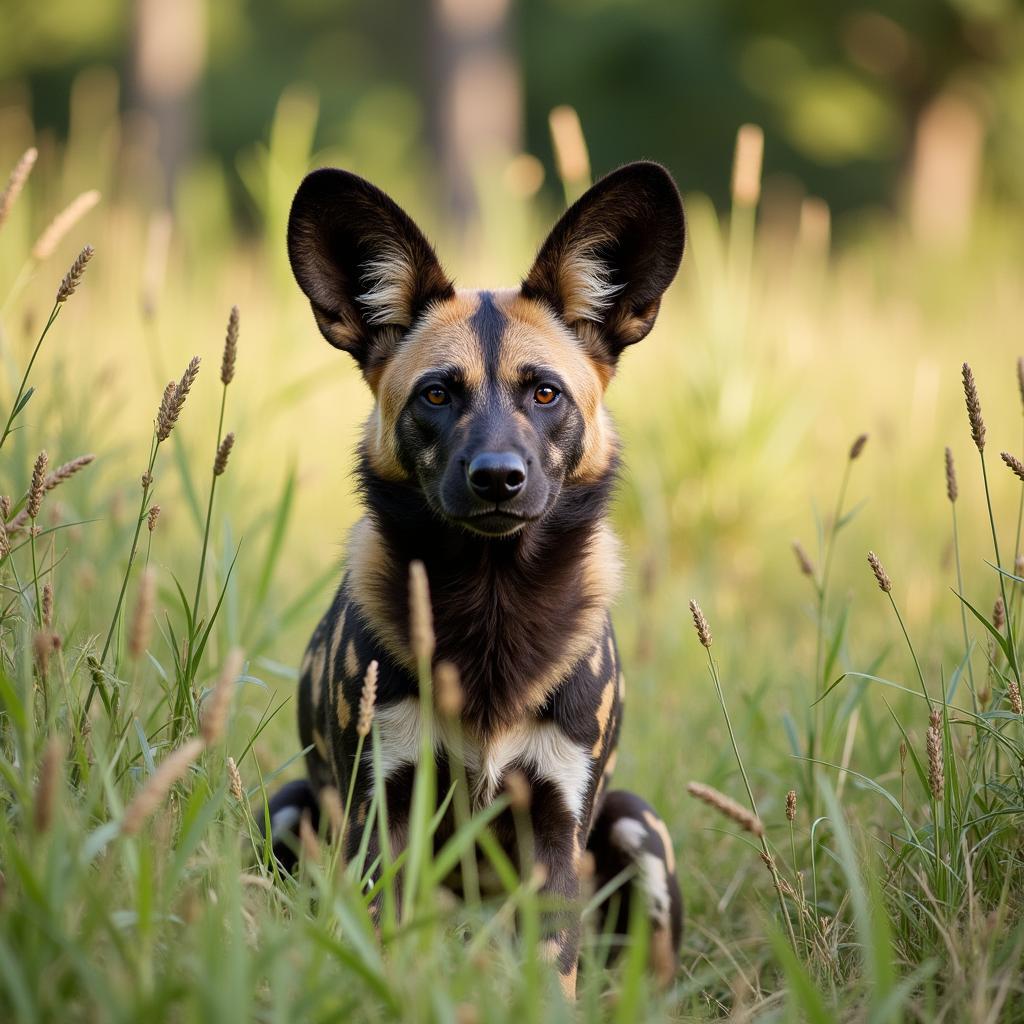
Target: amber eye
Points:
(436, 395)
(545, 394)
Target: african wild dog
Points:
(490, 457)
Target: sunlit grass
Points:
(889, 895)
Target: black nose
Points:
(497, 476)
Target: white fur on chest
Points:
(539, 746)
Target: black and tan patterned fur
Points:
(521, 580)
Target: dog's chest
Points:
(538, 748)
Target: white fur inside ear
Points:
(585, 286)
(391, 279)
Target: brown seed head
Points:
(519, 790)
(881, 576)
(220, 463)
(152, 517)
(16, 182)
(1014, 464)
(164, 423)
(5, 507)
(46, 784)
(952, 491)
(367, 699)
(52, 480)
(330, 804)
(727, 806)
(791, 805)
(42, 648)
(38, 486)
(48, 241)
(227, 363)
(1013, 694)
(140, 630)
(701, 624)
(858, 446)
(308, 839)
(974, 408)
(421, 619)
(746, 165)
(218, 703)
(448, 690)
(1018, 565)
(174, 399)
(999, 614)
(933, 741)
(74, 275)
(803, 559)
(47, 604)
(1020, 377)
(5, 541)
(234, 780)
(173, 767)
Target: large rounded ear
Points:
(607, 262)
(365, 267)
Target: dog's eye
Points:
(546, 394)
(436, 395)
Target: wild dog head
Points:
(488, 402)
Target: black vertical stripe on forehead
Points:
(489, 323)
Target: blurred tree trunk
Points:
(169, 55)
(475, 96)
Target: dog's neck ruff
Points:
(512, 614)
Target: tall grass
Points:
(156, 598)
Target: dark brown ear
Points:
(365, 267)
(607, 262)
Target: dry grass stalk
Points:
(933, 741)
(701, 624)
(46, 784)
(367, 700)
(791, 805)
(152, 516)
(227, 363)
(1014, 464)
(16, 182)
(803, 559)
(974, 408)
(38, 486)
(308, 839)
(727, 806)
(73, 277)
(858, 446)
(62, 224)
(141, 627)
(234, 780)
(881, 576)
(421, 619)
(448, 693)
(1013, 693)
(148, 799)
(218, 703)
(220, 463)
(748, 159)
(952, 491)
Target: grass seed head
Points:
(5, 507)
(727, 806)
(16, 182)
(1014, 464)
(701, 624)
(748, 158)
(173, 767)
(38, 486)
(234, 780)
(421, 619)
(1013, 694)
(152, 517)
(141, 629)
(220, 463)
(173, 400)
(47, 604)
(5, 541)
(1020, 377)
(73, 277)
(227, 363)
(803, 559)
(218, 703)
(330, 804)
(520, 792)
(858, 446)
(952, 491)
(933, 739)
(791, 805)
(448, 692)
(46, 784)
(881, 576)
(367, 699)
(54, 234)
(308, 839)
(973, 408)
(999, 614)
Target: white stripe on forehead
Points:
(540, 746)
